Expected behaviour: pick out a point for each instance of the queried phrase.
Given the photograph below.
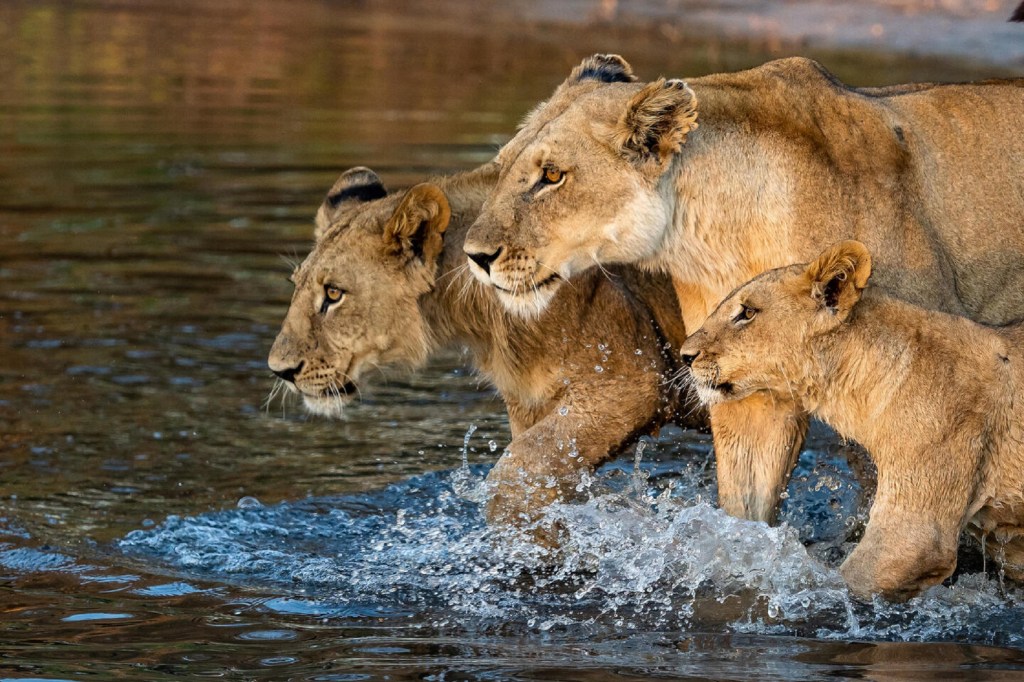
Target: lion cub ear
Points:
(839, 275)
(416, 228)
(656, 123)
(354, 186)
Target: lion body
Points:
(936, 399)
(718, 179)
(579, 381)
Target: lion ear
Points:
(839, 275)
(605, 68)
(356, 185)
(656, 123)
(416, 228)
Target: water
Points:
(157, 160)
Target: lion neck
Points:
(728, 199)
(873, 375)
(459, 310)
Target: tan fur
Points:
(786, 158)
(566, 416)
(937, 400)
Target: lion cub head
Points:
(581, 183)
(356, 295)
(760, 337)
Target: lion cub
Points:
(937, 400)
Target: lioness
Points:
(386, 283)
(786, 158)
(937, 400)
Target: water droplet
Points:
(492, 446)
(249, 502)
(465, 445)
(598, 368)
(638, 351)
(563, 410)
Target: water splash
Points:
(640, 556)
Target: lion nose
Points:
(688, 358)
(290, 373)
(484, 259)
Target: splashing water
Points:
(641, 555)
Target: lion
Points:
(718, 178)
(386, 284)
(937, 400)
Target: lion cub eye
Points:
(746, 314)
(332, 295)
(552, 176)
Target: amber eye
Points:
(552, 176)
(746, 314)
(332, 295)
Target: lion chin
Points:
(327, 406)
(712, 394)
(528, 305)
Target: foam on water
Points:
(640, 556)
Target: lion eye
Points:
(332, 295)
(552, 176)
(746, 314)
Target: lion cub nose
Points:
(484, 259)
(688, 359)
(289, 373)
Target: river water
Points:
(160, 162)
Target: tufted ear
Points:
(355, 185)
(656, 123)
(839, 275)
(606, 68)
(416, 228)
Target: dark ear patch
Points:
(831, 291)
(1018, 14)
(605, 68)
(358, 193)
(356, 184)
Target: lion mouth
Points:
(711, 392)
(547, 281)
(347, 389)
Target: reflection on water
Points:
(159, 161)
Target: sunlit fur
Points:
(784, 159)
(935, 399)
(399, 308)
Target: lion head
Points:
(356, 296)
(759, 338)
(583, 182)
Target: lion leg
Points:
(900, 555)
(910, 542)
(757, 441)
(544, 464)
